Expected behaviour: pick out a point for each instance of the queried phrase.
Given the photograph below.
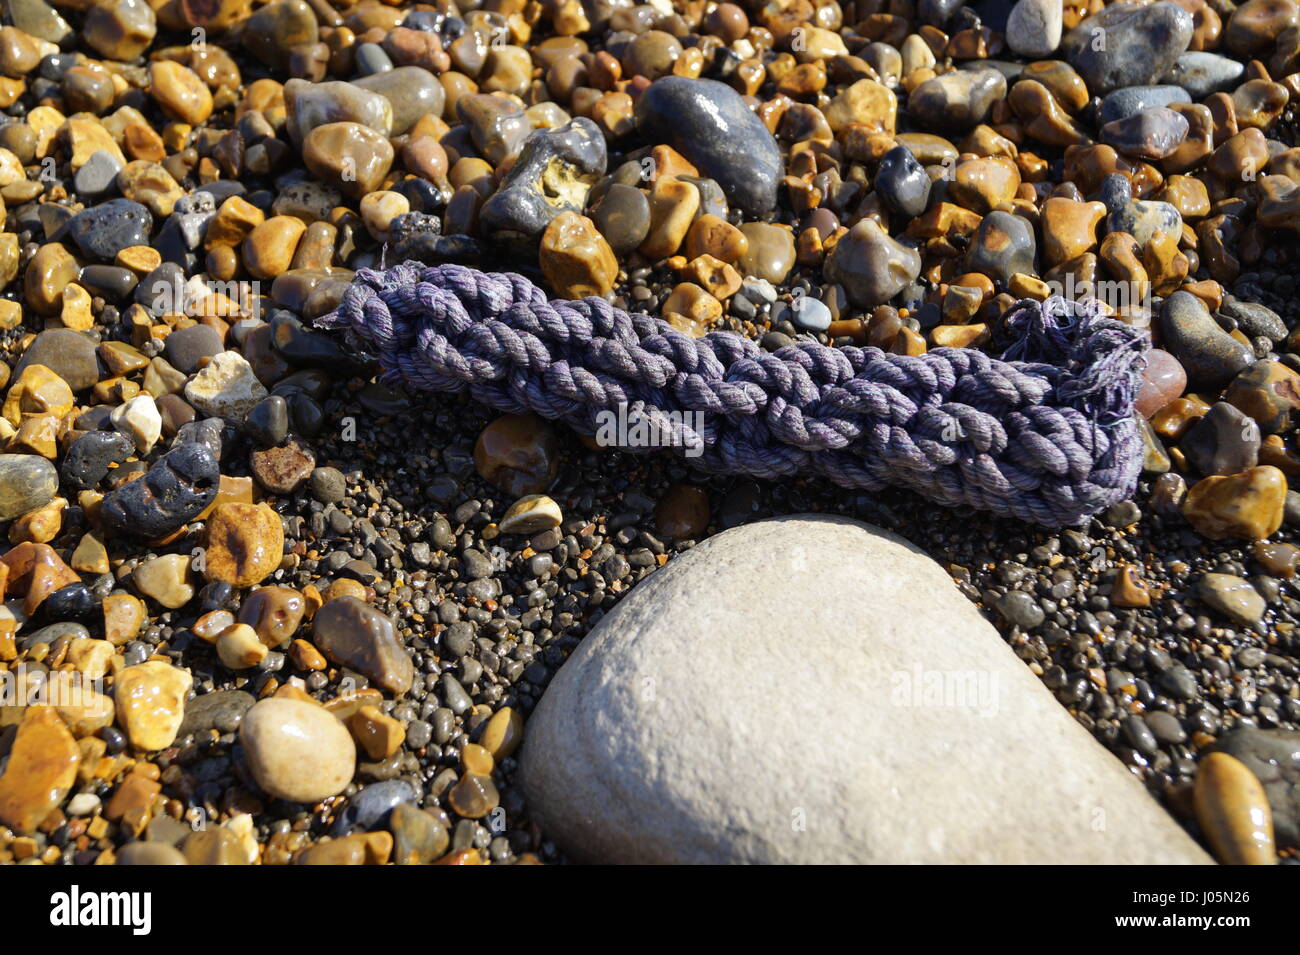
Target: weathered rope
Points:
(1048, 438)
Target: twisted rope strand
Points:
(1045, 434)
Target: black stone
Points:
(90, 456)
(708, 123)
(520, 209)
(368, 810)
(179, 485)
(1224, 441)
(268, 421)
(106, 229)
(109, 281)
(902, 182)
(186, 347)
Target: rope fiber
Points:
(1045, 435)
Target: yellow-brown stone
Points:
(180, 92)
(376, 732)
(50, 271)
(1069, 228)
(1233, 811)
(245, 544)
(268, 249)
(984, 184)
(575, 258)
(37, 392)
(42, 768)
(1246, 506)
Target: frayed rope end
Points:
(1095, 362)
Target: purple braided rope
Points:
(1045, 435)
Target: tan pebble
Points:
(239, 648)
(50, 271)
(235, 219)
(90, 658)
(306, 657)
(1247, 506)
(376, 732)
(345, 587)
(140, 259)
(379, 209)
(150, 700)
(297, 751)
(41, 525)
(473, 796)
(166, 579)
(90, 556)
(503, 733)
(691, 303)
(37, 392)
(530, 515)
(124, 615)
(673, 204)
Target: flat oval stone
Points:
(348, 156)
(354, 634)
(1122, 103)
(412, 92)
(1149, 134)
(369, 809)
(622, 215)
(1274, 757)
(27, 481)
(1233, 812)
(296, 750)
(221, 710)
(1201, 73)
(708, 123)
(1210, 356)
(67, 353)
(1141, 44)
(310, 105)
(957, 100)
(272, 32)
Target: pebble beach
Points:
(265, 604)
